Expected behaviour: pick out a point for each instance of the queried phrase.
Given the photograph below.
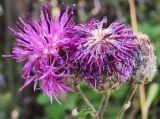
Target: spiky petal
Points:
(43, 44)
(103, 52)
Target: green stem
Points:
(103, 105)
(81, 94)
(127, 102)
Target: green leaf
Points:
(152, 92)
(120, 93)
(43, 99)
(55, 111)
(83, 112)
(70, 101)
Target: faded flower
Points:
(105, 53)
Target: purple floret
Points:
(43, 44)
(103, 52)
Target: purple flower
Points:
(103, 52)
(43, 43)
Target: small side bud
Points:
(145, 61)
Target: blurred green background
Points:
(35, 105)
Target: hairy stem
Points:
(81, 94)
(127, 102)
(103, 105)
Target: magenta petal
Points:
(44, 45)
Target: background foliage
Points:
(30, 105)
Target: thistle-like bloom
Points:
(43, 43)
(105, 52)
(145, 60)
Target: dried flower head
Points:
(103, 53)
(145, 60)
(43, 43)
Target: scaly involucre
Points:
(43, 43)
(145, 60)
(103, 52)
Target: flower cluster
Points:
(56, 49)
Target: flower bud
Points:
(145, 60)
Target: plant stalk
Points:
(133, 15)
(127, 102)
(82, 95)
(103, 105)
(141, 87)
(144, 108)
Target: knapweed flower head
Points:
(105, 53)
(43, 44)
(145, 60)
